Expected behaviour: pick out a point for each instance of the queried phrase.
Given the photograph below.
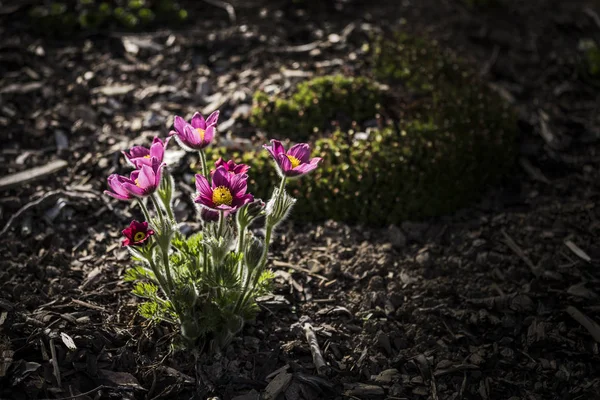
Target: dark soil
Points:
(497, 301)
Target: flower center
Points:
(147, 156)
(222, 195)
(139, 236)
(137, 182)
(295, 162)
(200, 133)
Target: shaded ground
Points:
(472, 305)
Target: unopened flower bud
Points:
(249, 212)
(254, 252)
(190, 329)
(279, 207)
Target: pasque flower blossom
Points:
(136, 233)
(292, 163)
(141, 183)
(231, 167)
(139, 155)
(198, 133)
(227, 193)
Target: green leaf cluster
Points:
(206, 298)
(314, 105)
(64, 18)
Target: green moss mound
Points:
(314, 104)
(590, 58)
(64, 18)
(452, 139)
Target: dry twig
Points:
(315, 350)
(517, 250)
(226, 6)
(592, 326)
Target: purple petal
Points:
(190, 137)
(209, 134)
(146, 177)
(239, 185)
(204, 190)
(240, 201)
(275, 149)
(115, 182)
(285, 164)
(241, 169)
(117, 196)
(134, 189)
(198, 121)
(221, 178)
(225, 207)
(129, 159)
(301, 151)
(157, 169)
(303, 169)
(179, 123)
(138, 151)
(179, 139)
(221, 163)
(212, 118)
(157, 149)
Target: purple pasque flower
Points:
(139, 155)
(231, 167)
(295, 162)
(141, 183)
(227, 193)
(136, 233)
(198, 133)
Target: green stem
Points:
(165, 244)
(221, 223)
(166, 200)
(159, 277)
(165, 254)
(245, 293)
(203, 162)
(158, 211)
(269, 227)
(281, 187)
(144, 210)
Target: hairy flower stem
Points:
(269, 226)
(144, 210)
(166, 200)
(159, 277)
(164, 241)
(203, 163)
(221, 223)
(256, 273)
(159, 212)
(240, 245)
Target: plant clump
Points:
(452, 139)
(314, 104)
(63, 18)
(207, 283)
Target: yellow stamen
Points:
(137, 182)
(147, 156)
(222, 195)
(200, 133)
(295, 162)
(139, 236)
